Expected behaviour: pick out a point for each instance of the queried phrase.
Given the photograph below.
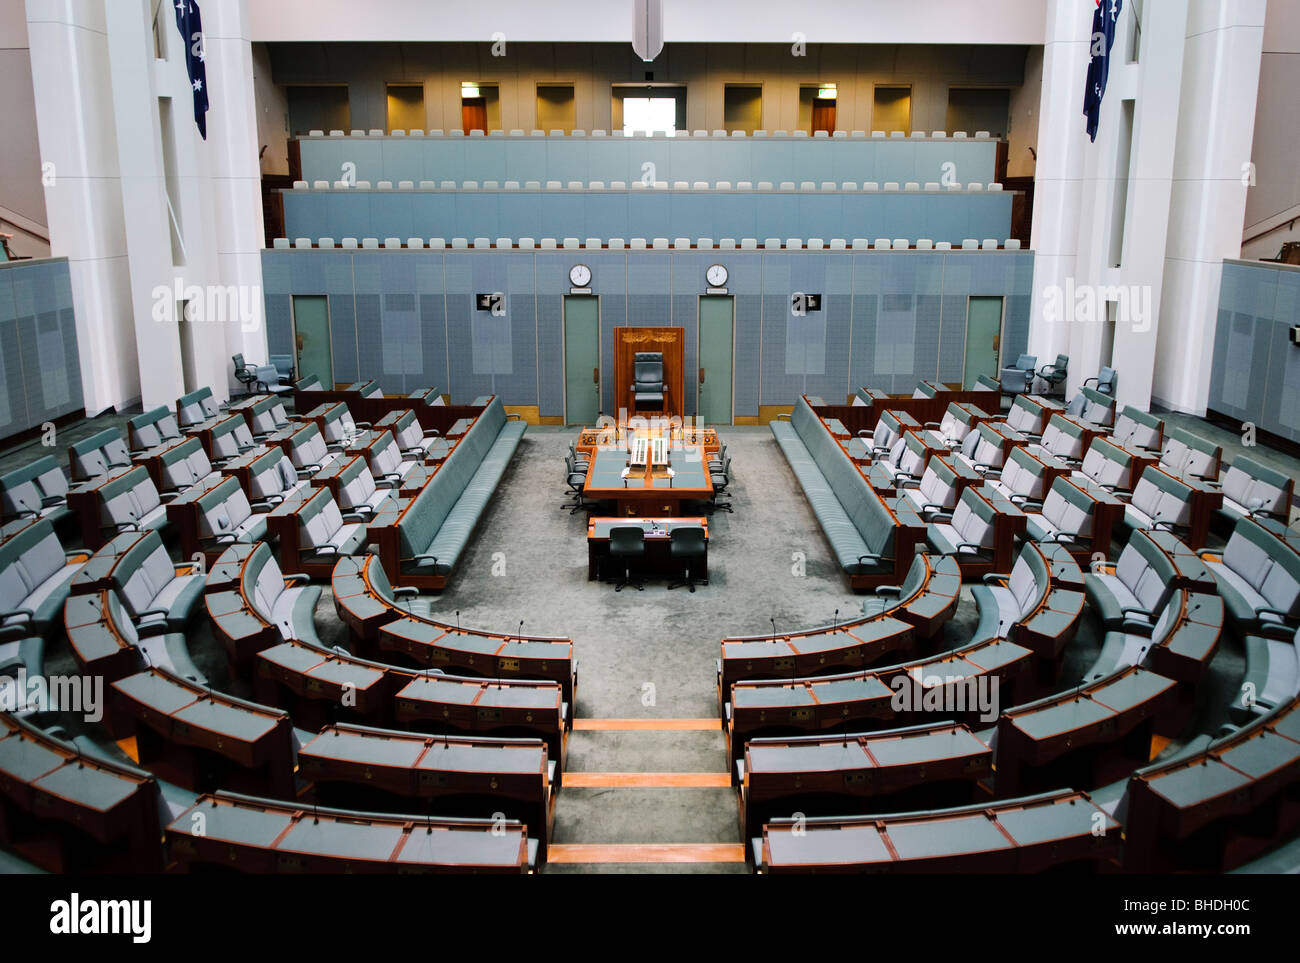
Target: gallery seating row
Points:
(388, 620)
(872, 541)
(483, 243)
(422, 545)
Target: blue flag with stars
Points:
(191, 28)
(1104, 19)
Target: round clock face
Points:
(580, 275)
(716, 275)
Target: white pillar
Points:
(235, 185)
(131, 78)
(1220, 84)
(1057, 179)
(83, 197)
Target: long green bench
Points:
(871, 542)
(422, 548)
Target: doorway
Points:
(983, 339)
(311, 338)
(581, 359)
(717, 352)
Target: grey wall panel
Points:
(343, 338)
(887, 318)
(40, 371)
(940, 216)
(1255, 372)
(624, 158)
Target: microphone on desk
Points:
(458, 621)
(521, 630)
(837, 618)
(773, 621)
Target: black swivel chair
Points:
(685, 546)
(574, 478)
(627, 548)
(717, 461)
(1054, 374)
(648, 389)
(245, 373)
(721, 478)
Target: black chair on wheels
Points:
(648, 389)
(574, 478)
(245, 373)
(627, 547)
(721, 478)
(685, 547)
(1054, 374)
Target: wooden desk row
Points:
(263, 836)
(70, 813)
(366, 603)
(322, 686)
(451, 775)
(1015, 836)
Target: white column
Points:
(131, 78)
(1057, 180)
(83, 198)
(1220, 83)
(235, 183)
(1155, 126)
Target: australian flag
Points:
(1104, 19)
(191, 28)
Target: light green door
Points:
(717, 314)
(983, 339)
(581, 359)
(311, 334)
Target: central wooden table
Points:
(648, 491)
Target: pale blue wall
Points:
(40, 372)
(1256, 371)
(406, 317)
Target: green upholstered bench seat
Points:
(436, 525)
(858, 525)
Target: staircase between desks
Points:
(637, 797)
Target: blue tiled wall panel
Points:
(623, 159)
(40, 369)
(408, 319)
(1255, 373)
(939, 216)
